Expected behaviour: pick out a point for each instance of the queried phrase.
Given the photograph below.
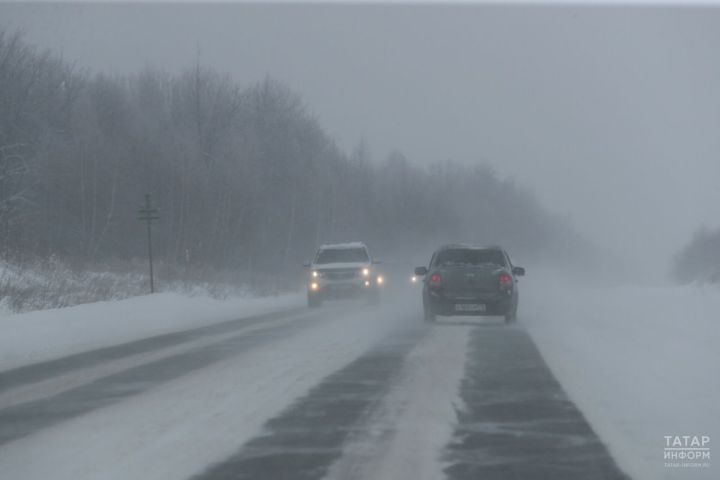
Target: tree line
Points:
(244, 176)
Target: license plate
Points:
(469, 307)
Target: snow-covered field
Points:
(50, 283)
(640, 362)
(46, 334)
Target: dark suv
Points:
(466, 280)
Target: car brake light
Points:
(505, 281)
(435, 280)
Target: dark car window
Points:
(342, 255)
(467, 256)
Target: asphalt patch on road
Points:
(518, 422)
(304, 441)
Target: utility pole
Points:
(149, 214)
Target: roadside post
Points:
(148, 214)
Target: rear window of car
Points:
(342, 255)
(469, 256)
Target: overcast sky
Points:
(611, 115)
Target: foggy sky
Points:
(610, 115)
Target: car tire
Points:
(511, 316)
(428, 315)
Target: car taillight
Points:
(435, 280)
(505, 281)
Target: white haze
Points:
(610, 114)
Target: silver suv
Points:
(342, 270)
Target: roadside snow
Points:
(640, 362)
(46, 334)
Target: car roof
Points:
(466, 246)
(338, 246)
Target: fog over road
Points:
(347, 391)
(579, 137)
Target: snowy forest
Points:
(244, 177)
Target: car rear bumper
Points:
(487, 305)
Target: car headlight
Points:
(365, 272)
(380, 280)
(314, 286)
(315, 274)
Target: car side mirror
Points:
(519, 271)
(421, 271)
(306, 264)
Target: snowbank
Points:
(46, 334)
(51, 283)
(640, 362)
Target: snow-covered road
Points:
(349, 391)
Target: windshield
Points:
(467, 256)
(342, 255)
